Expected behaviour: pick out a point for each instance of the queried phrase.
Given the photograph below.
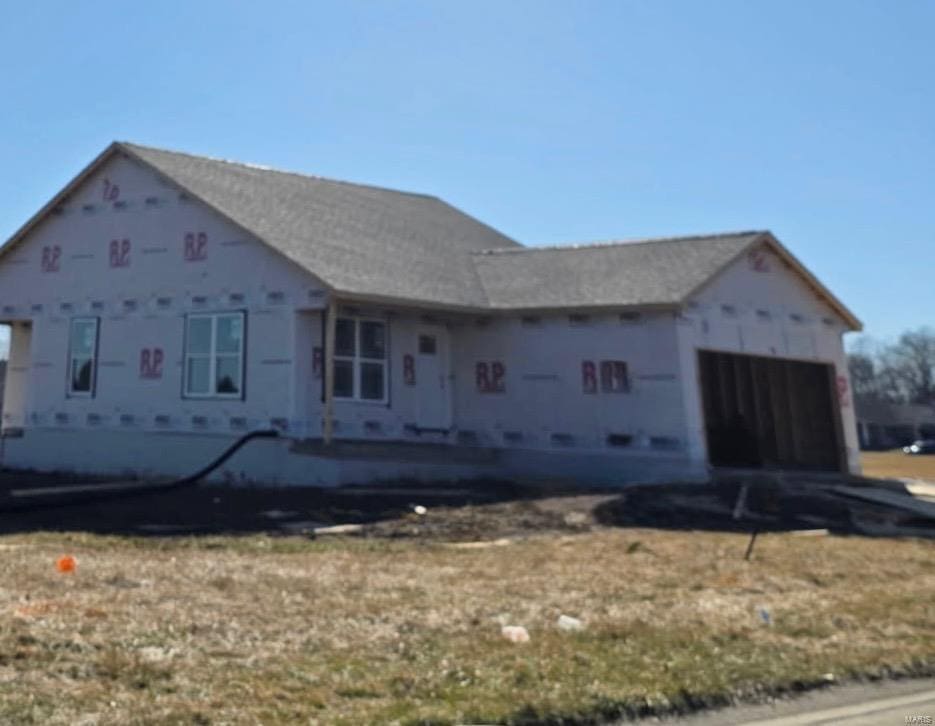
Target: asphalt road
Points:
(895, 703)
(919, 708)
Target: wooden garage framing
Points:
(763, 412)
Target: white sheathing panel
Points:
(760, 306)
(544, 405)
(76, 263)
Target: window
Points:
(360, 360)
(427, 344)
(214, 352)
(614, 377)
(82, 357)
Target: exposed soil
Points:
(457, 511)
(476, 510)
(550, 515)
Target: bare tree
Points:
(863, 371)
(911, 363)
(875, 375)
(902, 372)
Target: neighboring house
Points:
(885, 425)
(163, 304)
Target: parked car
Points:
(922, 446)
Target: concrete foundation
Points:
(286, 461)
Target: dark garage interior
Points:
(771, 413)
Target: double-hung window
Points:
(214, 355)
(82, 357)
(360, 360)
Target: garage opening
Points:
(770, 412)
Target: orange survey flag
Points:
(66, 563)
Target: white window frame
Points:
(213, 356)
(358, 359)
(69, 384)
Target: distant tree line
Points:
(900, 372)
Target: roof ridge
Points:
(274, 170)
(618, 243)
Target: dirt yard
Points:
(897, 464)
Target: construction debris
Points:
(569, 624)
(278, 514)
(741, 503)
(339, 529)
(921, 489)
(890, 499)
(804, 504)
(300, 527)
(481, 544)
(515, 633)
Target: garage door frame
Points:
(756, 388)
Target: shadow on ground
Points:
(485, 510)
(775, 503)
(225, 509)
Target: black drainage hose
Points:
(228, 453)
(20, 500)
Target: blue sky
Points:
(554, 122)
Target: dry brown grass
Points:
(260, 630)
(886, 464)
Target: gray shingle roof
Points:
(384, 245)
(642, 272)
(369, 241)
(357, 239)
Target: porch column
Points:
(330, 324)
